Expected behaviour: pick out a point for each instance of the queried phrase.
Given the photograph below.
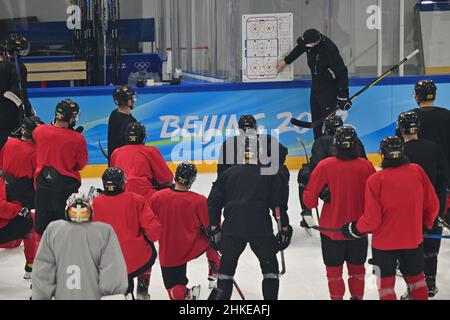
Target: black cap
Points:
(311, 36)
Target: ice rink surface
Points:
(305, 278)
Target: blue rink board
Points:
(165, 109)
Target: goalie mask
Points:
(79, 209)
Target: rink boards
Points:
(205, 113)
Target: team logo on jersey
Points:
(395, 154)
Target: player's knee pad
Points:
(177, 293)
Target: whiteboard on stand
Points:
(266, 39)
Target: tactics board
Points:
(266, 39)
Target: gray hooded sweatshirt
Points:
(79, 262)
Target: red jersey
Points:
(142, 165)
(182, 215)
(62, 149)
(132, 219)
(8, 210)
(346, 181)
(399, 203)
(18, 158)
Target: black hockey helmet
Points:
(330, 125)
(79, 208)
(135, 133)
(186, 174)
(124, 94)
(28, 126)
(113, 181)
(425, 90)
(67, 111)
(345, 137)
(392, 148)
(17, 42)
(250, 147)
(247, 122)
(408, 122)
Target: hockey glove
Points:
(24, 213)
(344, 103)
(284, 238)
(215, 237)
(325, 195)
(350, 232)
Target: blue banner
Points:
(167, 114)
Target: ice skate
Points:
(28, 272)
(193, 293)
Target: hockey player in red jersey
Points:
(18, 163)
(345, 175)
(16, 224)
(135, 224)
(144, 166)
(400, 202)
(184, 216)
(61, 155)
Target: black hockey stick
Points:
(283, 262)
(105, 155)
(213, 267)
(315, 124)
(308, 162)
(21, 93)
(316, 210)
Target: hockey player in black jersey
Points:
(125, 98)
(321, 149)
(271, 155)
(14, 46)
(430, 157)
(246, 197)
(434, 121)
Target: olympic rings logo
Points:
(142, 66)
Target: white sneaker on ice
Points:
(28, 275)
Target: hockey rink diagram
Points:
(266, 40)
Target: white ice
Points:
(305, 278)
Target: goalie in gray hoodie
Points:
(78, 259)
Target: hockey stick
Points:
(278, 218)
(105, 155)
(205, 233)
(213, 267)
(313, 225)
(315, 124)
(19, 80)
(308, 162)
(11, 96)
(435, 236)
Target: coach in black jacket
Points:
(329, 74)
